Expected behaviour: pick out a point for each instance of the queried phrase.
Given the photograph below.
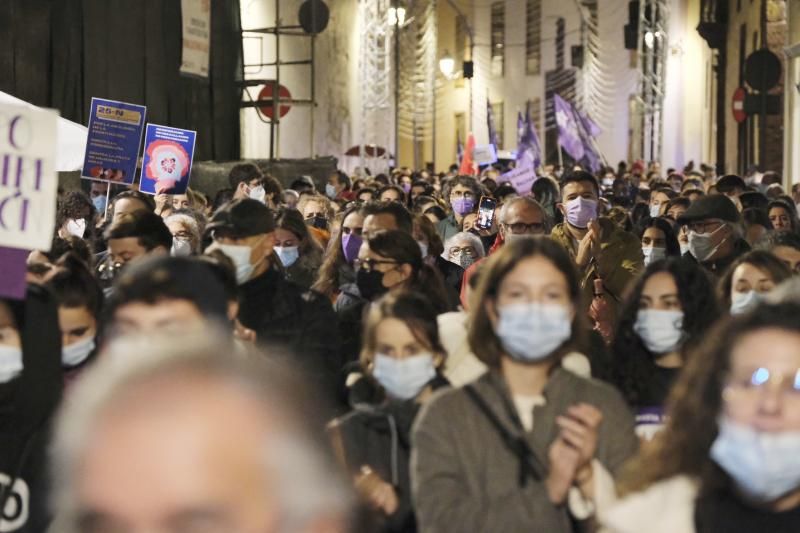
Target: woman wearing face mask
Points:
(390, 261)
(727, 459)
(669, 310)
(337, 278)
(529, 446)
(31, 382)
(75, 216)
(463, 194)
(658, 241)
(749, 279)
(300, 254)
(463, 249)
(80, 301)
(403, 355)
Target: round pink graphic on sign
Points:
(168, 164)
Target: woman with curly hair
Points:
(727, 460)
(669, 310)
(75, 216)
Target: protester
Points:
(299, 253)
(749, 279)
(392, 193)
(337, 277)
(246, 180)
(180, 434)
(479, 452)
(281, 313)
(131, 237)
(598, 248)
(186, 236)
(76, 216)
(782, 216)
(667, 313)
(715, 233)
(432, 249)
(80, 301)
(339, 187)
(403, 354)
(463, 249)
(726, 460)
(785, 246)
(658, 241)
(31, 384)
(462, 194)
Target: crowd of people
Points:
(612, 352)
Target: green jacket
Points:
(620, 262)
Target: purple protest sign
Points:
(12, 282)
(521, 178)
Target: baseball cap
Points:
(242, 218)
(715, 206)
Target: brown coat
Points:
(463, 476)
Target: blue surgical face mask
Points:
(404, 378)
(764, 465)
(661, 331)
(10, 363)
(531, 332)
(330, 191)
(77, 352)
(287, 254)
(742, 302)
(99, 204)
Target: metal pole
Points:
(313, 88)
(395, 3)
(276, 108)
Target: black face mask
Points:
(317, 222)
(370, 284)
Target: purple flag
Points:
(569, 134)
(589, 125)
(529, 151)
(12, 282)
(520, 128)
(459, 149)
(490, 124)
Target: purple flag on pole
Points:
(529, 151)
(569, 134)
(490, 124)
(520, 128)
(589, 125)
(459, 149)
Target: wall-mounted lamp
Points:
(447, 65)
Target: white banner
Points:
(521, 178)
(196, 15)
(28, 180)
(484, 154)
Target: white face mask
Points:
(258, 193)
(655, 210)
(742, 302)
(287, 254)
(240, 255)
(661, 331)
(181, 247)
(76, 227)
(653, 254)
(531, 332)
(404, 378)
(684, 247)
(763, 464)
(700, 244)
(10, 363)
(77, 352)
(423, 247)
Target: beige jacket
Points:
(665, 507)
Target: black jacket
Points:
(718, 267)
(302, 321)
(27, 405)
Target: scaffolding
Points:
(276, 101)
(652, 53)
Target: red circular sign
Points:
(266, 94)
(737, 105)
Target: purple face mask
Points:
(463, 206)
(580, 211)
(406, 187)
(351, 244)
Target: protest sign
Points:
(115, 136)
(12, 282)
(196, 21)
(28, 181)
(167, 163)
(521, 178)
(484, 154)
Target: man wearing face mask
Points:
(598, 247)
(247, 181)
(339, 187)
(280, 312)
(715, 231)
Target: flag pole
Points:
(561, 157)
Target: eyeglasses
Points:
(351, 231)
(469, 250)
(182, 235)
(519, 228)
(368, 265)
(709, 226)
(749, 386)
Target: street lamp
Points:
(447, 65)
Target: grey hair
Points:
(473, 239)
(297, 453)
(527, 200)
(188, 222)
